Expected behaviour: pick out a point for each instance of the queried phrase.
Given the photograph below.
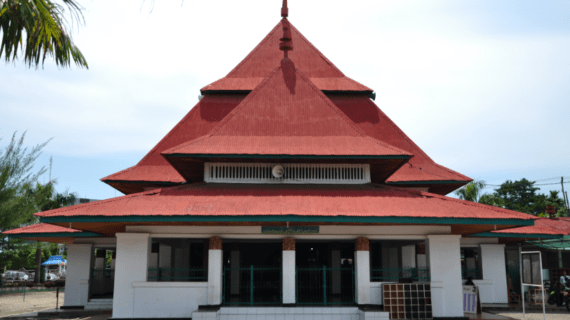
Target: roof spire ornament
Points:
(286, 41)
(284, 9)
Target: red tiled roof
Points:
(198, 122)
(555, 226)
(211, 199)
(287, 115)
(40, 228)
(255, 67)
(362, 111)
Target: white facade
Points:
(136, 297)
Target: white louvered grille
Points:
(293, 173)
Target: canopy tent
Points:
(55, 260)
(554, 244)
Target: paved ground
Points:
(538, 316)
(12, 304)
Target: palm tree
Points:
(38, 28)
(471, 191)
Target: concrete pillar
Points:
(133, 252)
(79, 259)
(289, 266)
(215, 271)
(235, 265)
(493, 262)
(362, 267)
(445, 269)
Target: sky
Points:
(483, 87)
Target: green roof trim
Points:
(426, 182)
(280, 156)
(517, 235)
(288, 218)
(55, 235)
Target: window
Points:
(398, 261)
(471, 263)
(178, 259)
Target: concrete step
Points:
(289, 313)
(99, 304)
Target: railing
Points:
(7, 287)
(325, 286)
(177, 274)
(397, 275)
(252, 286)
(474, 273)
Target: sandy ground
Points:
(12, 304)
(538, 316)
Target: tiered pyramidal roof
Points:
(299, 106)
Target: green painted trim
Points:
(288, 218)
(55, 235)
(427, 182)
(517, 235)
(279, 156)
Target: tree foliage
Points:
(520, 195)
(40, 28)
(20, 253)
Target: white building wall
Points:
(289, 283)
(362, 276)
(215, 277)
(79, 257)
(168, 299)
(494, 270)
(133, 252)
(445, 269)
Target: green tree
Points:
(521, 196)
(471, 191)
(35, 29)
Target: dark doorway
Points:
(325, 272)
(252, 273)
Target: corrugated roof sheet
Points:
(554, 226)
(287, 115)
(209, 111)
(255, 67)
(375, 123)
(40, 228)
(210, 200)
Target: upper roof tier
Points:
(254, 68)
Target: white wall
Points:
(362, 268)
(214, 277)
(289, 282)
(79, 257)
(495, 270)
(133, 252)
(176, 299)
(445, 268)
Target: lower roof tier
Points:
(307, 204)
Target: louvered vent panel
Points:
(293, 173)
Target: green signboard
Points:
(288, 230)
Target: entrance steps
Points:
(99, 304)
(289, 313)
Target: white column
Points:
(494, 268)
(289, 265)
(133, 252)
(215, 271)
(362, 267)
(79, 257)
(445, 270)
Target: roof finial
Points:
(284, 9)
(286, 42)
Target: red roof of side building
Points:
(234, 203)
(421, 168)
(41, 228)
(255, 67)
(287, 115)
(550, 226)
(48, 233)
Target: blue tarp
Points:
(54, 260)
